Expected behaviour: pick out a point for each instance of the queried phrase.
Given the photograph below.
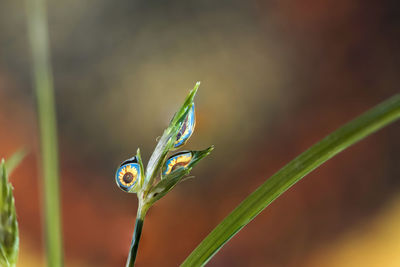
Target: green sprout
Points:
(9, 237)
(162, 173)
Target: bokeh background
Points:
(277, 76)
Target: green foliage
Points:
(166, 142)
(150, 188)
(44, 89)
(9, 238)
(15, 160)
(148, 185)
(170, 180)
(366, 124)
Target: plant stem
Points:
(43, 79)
(135, 242)
(141, 213)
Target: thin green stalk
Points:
(43, 80)
(137, 233)
(366, 124)
(135, 242)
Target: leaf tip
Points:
(194, 90)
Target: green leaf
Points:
(167, 140)
(199, 155)
(371, 121)
(9, 237)
(138, 186)
(15, 160)
(172, 179)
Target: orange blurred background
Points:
(277, 76)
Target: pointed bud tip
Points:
(196, 87)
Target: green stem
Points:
(135, 242)
(43, 79)
(137, 233)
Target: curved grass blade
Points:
(369, 122)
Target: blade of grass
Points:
(369, 122)
(15, 160)
(43, 80)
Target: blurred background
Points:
(276, 76)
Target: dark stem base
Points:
(135, 243)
